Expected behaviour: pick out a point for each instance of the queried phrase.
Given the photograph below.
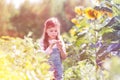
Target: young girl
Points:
(53, 45)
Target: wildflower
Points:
(75, 21)
(72, 32)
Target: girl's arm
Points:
(62, 50)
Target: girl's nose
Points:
(54, 32)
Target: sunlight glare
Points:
(17, 3)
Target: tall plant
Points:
(91, 25)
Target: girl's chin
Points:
(53, 38)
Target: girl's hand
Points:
(61, 49)
(52, 42)
(59, 45)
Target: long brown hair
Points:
(49, 23)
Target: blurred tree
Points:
(63, 9)
(3, 16)
(7, 11)
(30, 18)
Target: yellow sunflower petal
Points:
(78, 10)
(74, 20)
(92, 13)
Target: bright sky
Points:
(17, 3)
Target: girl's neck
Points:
(51, 38)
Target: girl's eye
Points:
(51, 30)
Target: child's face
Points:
(52, 32)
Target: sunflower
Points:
(78, 10)
(106, 11)
(109, 14)
(92, 13)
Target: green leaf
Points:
(106, 30)
(116, 10)
(81, 41)
(116, 1)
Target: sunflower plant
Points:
(91, 24)
(89, 28)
